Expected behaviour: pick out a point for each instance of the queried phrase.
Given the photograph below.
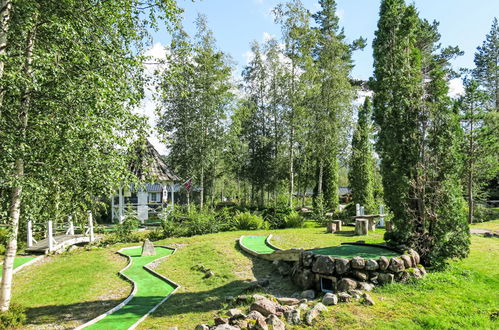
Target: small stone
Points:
(224, 327)
(402, 276)
(308, 294)
(234, 312)
(344, 297)
(396, 265)
(148, 249)
(239, 323)
(221, 320)
(209, 274)
(416, 273)
(275, 322)
(320, 307)
(358, 263)
(330, 299)
(371, 265)
(367, 299)
(202, 327)
(303, 306)
(288, 301)
(323, 265)
(415, 256)
(254, 315)
(293, 317)
(360, 275)
(422, 270)
(383, 263)
(311, 316)
(261, 324)
(373, 277)
(356, 294)
(264, 306)
(407, 260)
(307, 258)
(385, 278)
(364, 286)
(342, 265)
(346, 284)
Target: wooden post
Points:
(121, 210)
(331, 227)
(357, 210)
(30, 233)
(372, 224)
(49, 236)
(112, 208)
(362, 210)
(361, 227)
(338, 224)
(381, 212)
(91, 226)
(71, 227)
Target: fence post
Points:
(357, 209)
(30, 233)
(50, 235)
(362, 210)
(71, 227)
(91, 225)
(381, 219)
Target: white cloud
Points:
(267, 36)
(156, 52)
(340, 13)
(456, 88)
(361, 97)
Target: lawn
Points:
(68, 288)
(490, 225)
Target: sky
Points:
(236, 23)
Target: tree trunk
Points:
(5, 10)
(201, 199)
(471, 156)
(15, 196)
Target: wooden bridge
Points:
(53, 243)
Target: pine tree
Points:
(361, 174)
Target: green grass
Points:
(18, 261)
(257, 244)
(150, 291)
(490, 225)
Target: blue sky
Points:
(236, 23)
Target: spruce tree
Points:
(361, 175)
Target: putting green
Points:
(151, 290)
(18, 261)
(350, 251)
(257, 244)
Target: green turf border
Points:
(135, 287)
(265, 242)
(20, 266)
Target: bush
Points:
(276, 217)
(125, 230)
(294, 220)
(248, 221)
(482, 213)
(14, 317)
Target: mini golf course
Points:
(18, 262)
(150, 291)
(257, 244)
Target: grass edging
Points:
(267, 241)
(134, 289)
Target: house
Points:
(154, 192)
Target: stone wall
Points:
(313, 271)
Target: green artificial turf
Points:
(350, 251)
(150, 291)
(257, 244)
(18, 261)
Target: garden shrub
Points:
(294, 220)
(482, 213)
(248, 221)
(14, 317)
(125, 230)
(276, 217)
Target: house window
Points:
(154, 197)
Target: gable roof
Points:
(148, 166)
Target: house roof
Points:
(148, 166)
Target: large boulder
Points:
(264, 306)
(367, 299)
(342, 265)
(360, 275)
(358, 263)
(323, 265)
(308, 294)
(383, 263)
(307, 258)
(385, 278)
(407, 260)
(346, 284)
(371, 265)
(275, 322)
(293, 316)
(303, 278)
(396, 265)
(330, 299)
(288, 301)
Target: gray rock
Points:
(261, 324)
(346, 284)
(258, 297)
(148, 249)
(320, 307)
(234, 312)
(330, 299)
(288, 301)
(308, 294)
(407, 260)
(415, 257)
(422, 270)
(221, 320)
(396, 265)
(360, 275)
(293, 317)
(358, 263)
(402, 276)
(367, 299)
(224, 327)
(254, 315)
(264, 306)
(415, 272)
(373, 277)
(385, 278)
(356, 294)
(303, 307)
(209, 274)
(371, 265)
(307, 258)
(275, 322)
(283, 268)
(303, 278)
(364, 286)
(323, 265)
(202, 327)
(311, 316)
(383, 263)
(344, 297)
(342, 265)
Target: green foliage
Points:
(248, 221)
(13, 318)
(125, 230)
(276, 217)
(294, 220)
